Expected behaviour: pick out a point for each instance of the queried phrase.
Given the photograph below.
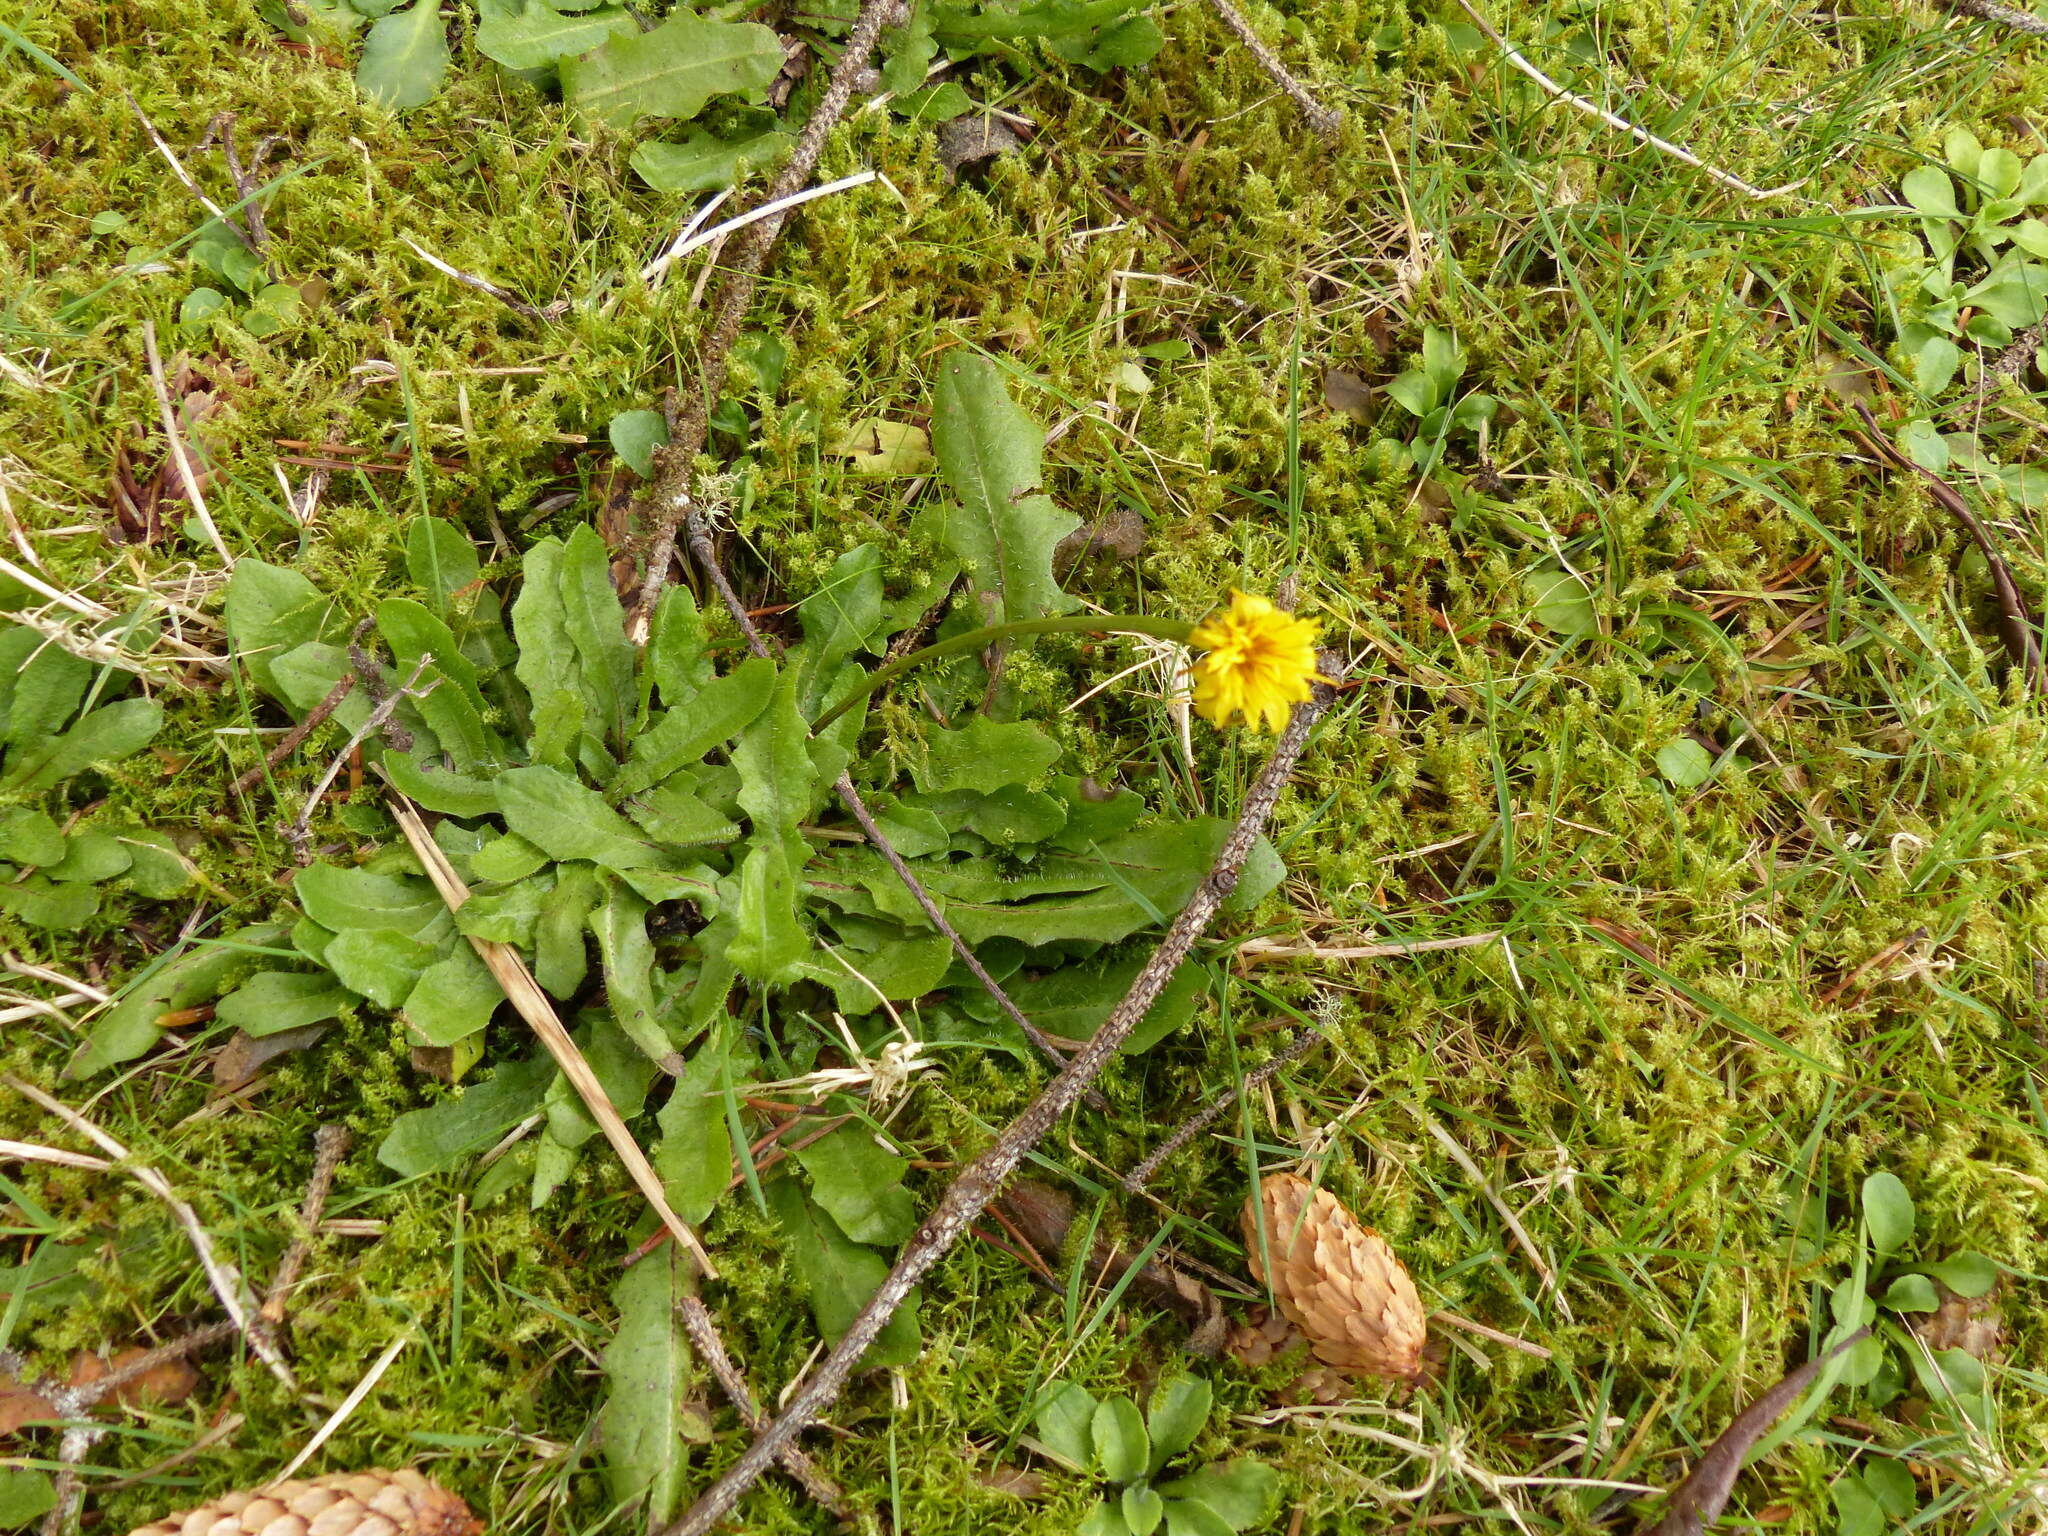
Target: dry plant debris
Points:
(1335, 1279)
(373, 1503)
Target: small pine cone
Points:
(1337, 1280)
(374, 1503)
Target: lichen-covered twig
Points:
(670, 497)
(2004, 15)
(982, 1179)
(704, 1337)
(1201, 1119)
(330, 1146)
(1327, 124)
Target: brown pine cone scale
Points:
(374, 1503)
(1336, 1280)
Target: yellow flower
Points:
(1260, 662)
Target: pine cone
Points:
(1337, 1281)
(374, 1503)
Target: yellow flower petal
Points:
(1260, 662)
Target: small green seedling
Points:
(1881, 1286)
(246, 293)
(1428, 392)
(1982, 278)
(1111, 1440)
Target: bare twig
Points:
(534, 1007)
(2004, 15)
(226, 1280)
(289, 742)
(670, 497)
(982, 1179)
(1327, 124)
(1593, 109)
(330, 1146)
(704, 1338)
(2022, 644)
(171, 434)
(1195, 1124)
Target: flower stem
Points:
(981, 639)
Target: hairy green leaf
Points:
(647, 1368)
(435, 1139)
(271, 610)
(103, 735)
(860, 1185)
(839, 1275)
(271, 1002)
(984, 756)
(679, 737)
(694, 1155)
(534, 35)
(703, 162)
(453, 998)
(1005, 528)
(673, 70)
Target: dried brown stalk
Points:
(977, 1184)
(291, 740)
(533, 1006)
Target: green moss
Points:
(1664, 348)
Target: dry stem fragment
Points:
(1335, 1279)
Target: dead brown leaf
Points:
(970, 140)
(161, 1386)
(1348, 394)
(236, 1064)
(1975, 1325)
